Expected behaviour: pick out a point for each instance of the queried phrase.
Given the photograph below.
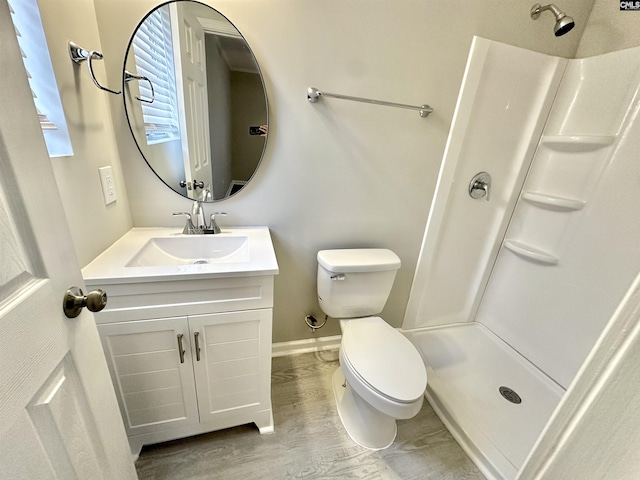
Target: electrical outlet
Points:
(108, 185)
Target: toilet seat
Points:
(383, 359)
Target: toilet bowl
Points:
(381, 376)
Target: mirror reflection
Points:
(195, 100)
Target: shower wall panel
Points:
(571, 250)
(504, 101)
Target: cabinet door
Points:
(233, 372)
(153, 381)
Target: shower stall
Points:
(515, 285)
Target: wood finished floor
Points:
(309, 441)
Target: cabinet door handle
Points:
(195, 338)
(180, 349)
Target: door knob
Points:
(480, 186)
(75, 300)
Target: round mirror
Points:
(195, 100)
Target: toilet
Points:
(381, 377)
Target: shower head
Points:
(563, 24)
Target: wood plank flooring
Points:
(309, 441)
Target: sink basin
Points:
(165, 254)
(192, 250)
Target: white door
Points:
(58, 412)
(191, 79)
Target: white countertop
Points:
(110, 266)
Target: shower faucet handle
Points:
(480, 186)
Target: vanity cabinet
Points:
(204, 370)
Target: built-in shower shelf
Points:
(551, 202)
(577, 143)
(530, 253)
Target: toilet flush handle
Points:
(338, 276)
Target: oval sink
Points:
(191, 250)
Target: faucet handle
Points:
(189, 229)
(480, 186)
(214, 226)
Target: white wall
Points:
(339, 174)
(609, 30)
(94, 226)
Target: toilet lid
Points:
(358, 260)
(384, 358)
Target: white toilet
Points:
(381, 376)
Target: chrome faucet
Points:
(197, 215)
(196, 223)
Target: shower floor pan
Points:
(466, 367)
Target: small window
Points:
(153, 51)
(37, 62)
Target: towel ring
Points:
(128, 76)
(79, 55)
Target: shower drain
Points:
(510, 395)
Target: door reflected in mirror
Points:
(195, 100)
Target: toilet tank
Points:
(355, 282)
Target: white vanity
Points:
(187, 330)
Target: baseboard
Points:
(304, 346)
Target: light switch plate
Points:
(108, 185)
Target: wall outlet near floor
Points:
(108, 185)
